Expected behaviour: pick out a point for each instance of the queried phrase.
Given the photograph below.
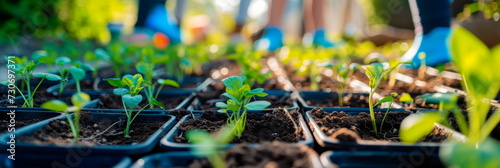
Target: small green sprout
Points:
(79, 100)
(342, 73)
(94, 58)
(239, 98)
(146, 67)
(248, 61)
(207, 145)
(117, 53)
(131, 96)
(376, 72)
(78, 72)
(25, 69)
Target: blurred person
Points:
(272, 38)
(153, 14)
(432, 19)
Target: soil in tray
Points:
(304, 83)
(399, 87)
(112, 101)
(93, 132)
(40, 98)
(350, 100)
(265, 155)
(259, 128)
(4, 124)
(276, 102)
(352, 128)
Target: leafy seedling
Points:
(94, 57)
(376, 72)
(342, 73)
(476, 63)
(131, 96)
(25, 69)
(79, 100)
(248, 61)
(207, 145)
(239, 101)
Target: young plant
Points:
(342, 73)
(118, 54)
(146, 67)
(376, 72)
(239, 101)
(94, 57)
(79, 100)
(208, 145)
(476, 64)
(25, 69)
(131, 96)
(78, 72)
(248, 61)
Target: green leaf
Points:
(55, 105)
(131, 101)
(128, 80)
(467, 51)
(120, 91)
(416, 126)
(102, 54)
(48, 76)
(205, 142)
(436, 98)
(80, 99)
(257, 105)
(157, 103)
(232, 97)
(459, 154)
(88, 68)
(116, 82)
(233, 82)
(257, 92)
(169, 82)
(220, 105)
(406, 98)
(385, 99)
(37, 55)
(62, 60)
(77, 73)
(45, 60)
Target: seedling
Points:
(341, 73)
(118, 54)
(78, 72)
(376, 72)
(94, 57)
(25, 69)
(248, 61)
(131, 96)
(476, 64)
(207, 145)
(239, 101)
(79, 100)
(146, 67)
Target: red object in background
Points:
(160, 40)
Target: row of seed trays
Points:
(209, 105)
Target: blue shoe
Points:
(434, 45)
(319, 38)
(271, 40)
(158, 19)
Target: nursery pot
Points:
(20, 118)
(185, 158)
(185, 95)
(379, 159)
(49, 161)
(168, 143)
(317, 97)
(96, 149)
(277, 95)
(329, 143)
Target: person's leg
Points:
(241, 19)
(432, 28)
(314, 22)
(273, 37)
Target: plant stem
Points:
(372, 113)
(385, 115)
(462, 124)
(30, 96)
(78, 86)
(490, 124)
(73, 128)
(129, 122)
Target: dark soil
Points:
(359, 127)
(40, 98)
(434, 80)
(259, 128)
(58, 132)
(112, 101)
(276, 102)
(4, 124)
(399, 87)
(266, 155)
(304, 83)
(350, 100)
